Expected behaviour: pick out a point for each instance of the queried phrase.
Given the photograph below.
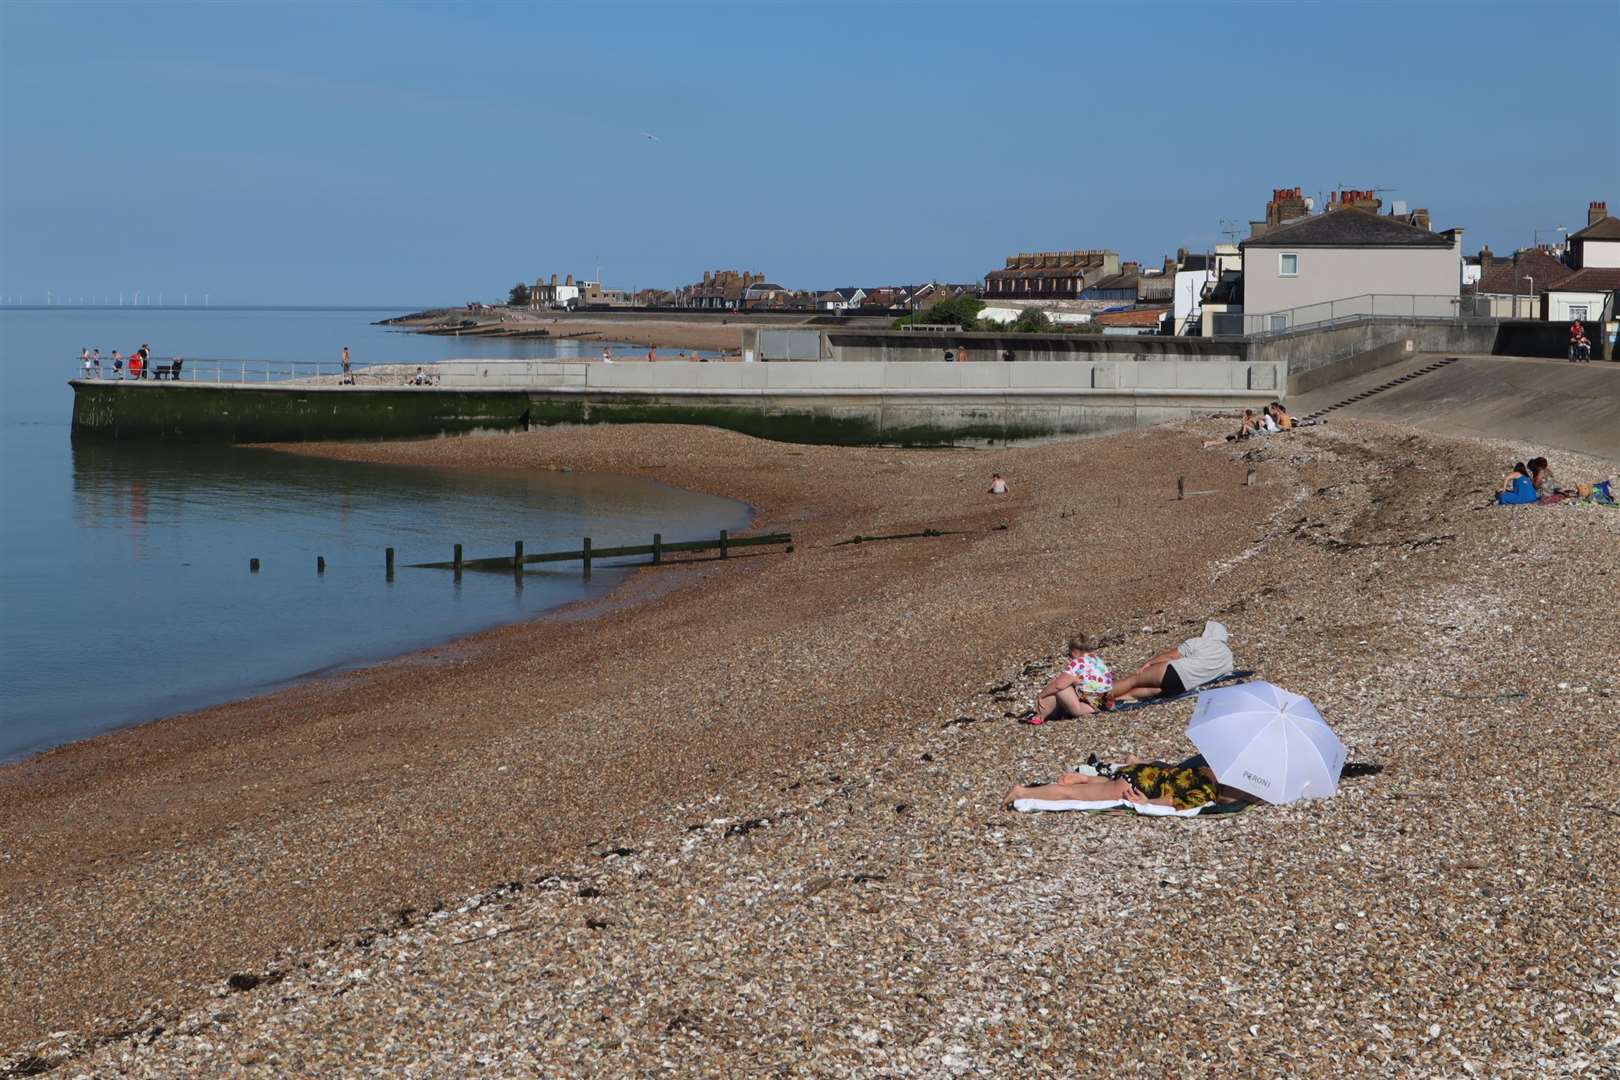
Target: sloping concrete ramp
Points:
(1541, 403)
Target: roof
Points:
(1349, 227)
(1198, 262)
(1139, 317)
(1603, 229)
(1125, 280)
(1504, 277)
(1595, 279)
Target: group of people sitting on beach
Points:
(1532, 482)
(1087, 684)
(1271, 420)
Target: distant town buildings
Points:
(1301, 263)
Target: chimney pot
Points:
(1596, 212)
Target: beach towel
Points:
(1033, 806)
(1231, 679)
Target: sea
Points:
(125, 588)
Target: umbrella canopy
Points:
(1261, 739)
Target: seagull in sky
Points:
(650, 135)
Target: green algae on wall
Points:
(240, 414)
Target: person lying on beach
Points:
(1188, 666)
(1078, 689)
(1183, 786)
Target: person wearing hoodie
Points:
(1188, 666)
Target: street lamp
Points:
(1532, 297)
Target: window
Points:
(1279, 322)
(1577, 311)
(1288, 264)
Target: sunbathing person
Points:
(1078, 689)
(1184, 786)
(1188, 666)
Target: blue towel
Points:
(1230, 679)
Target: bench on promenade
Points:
(169, 371)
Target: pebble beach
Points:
(742, 817)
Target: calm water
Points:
(124, 586)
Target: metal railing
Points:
(1366, 305)
(215, 369)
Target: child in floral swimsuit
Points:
(1079, 688)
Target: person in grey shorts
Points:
(1188, 666)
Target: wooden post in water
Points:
(320, 564)
(253, 566)
(517, 555)
(658, 548)
(723, 554)
(1181, 487)
(457, 559)
(388, 562)
(586, 549)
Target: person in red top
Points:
(137, 363)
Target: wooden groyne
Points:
(586, 553)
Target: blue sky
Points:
(425, 153)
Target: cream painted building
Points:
(1344, 261)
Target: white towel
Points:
(1030, 806)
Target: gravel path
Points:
(749, 825)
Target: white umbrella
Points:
(1261, 739)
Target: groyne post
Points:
(253, 566)
(1181, 487)
(320, 564)
(1248, 481)
(517, 555)
(388, 562)
(658, 548)
(585, 552)
(457, 559)
(723, 554)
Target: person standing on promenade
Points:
(84, 362)
(118, 365)
(95, 358)
(607, 355)
(652, 355)
(347, 378)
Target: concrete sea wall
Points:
(236, 413)
(835, 402)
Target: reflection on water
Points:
(146, 605)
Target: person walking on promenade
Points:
(118, 365)
(347, 378)
(607, 355)
(652, 355)
(137, 363)
(95, 358)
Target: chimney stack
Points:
(1485, 260)
(1596, 212)
(570, 280)
(553, 281)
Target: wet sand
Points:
(847, 696)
